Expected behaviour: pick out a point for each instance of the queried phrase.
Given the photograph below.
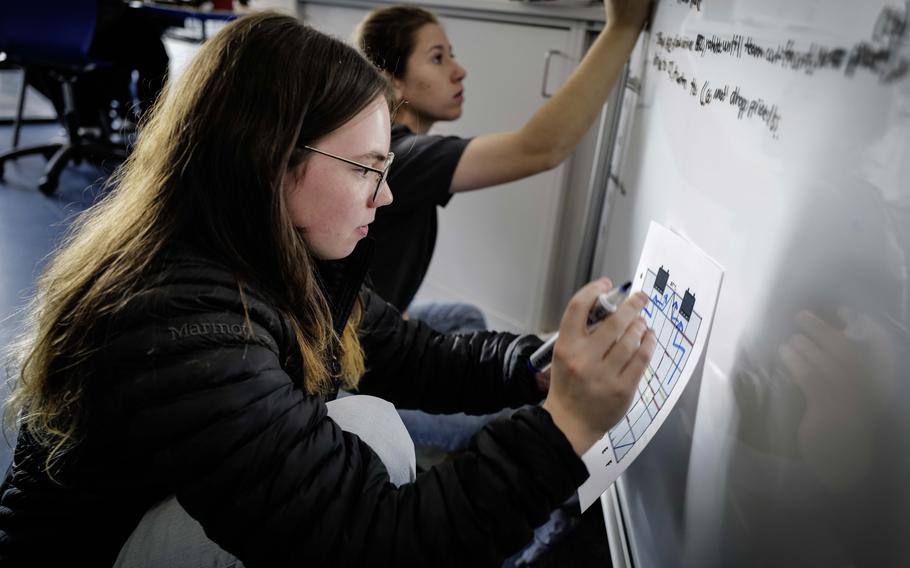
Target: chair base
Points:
(77, 146)
(60, 154)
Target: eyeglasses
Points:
(383, 173)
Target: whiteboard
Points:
(775, 135)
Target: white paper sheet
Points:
(683, 284)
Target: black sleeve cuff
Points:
(520, 382)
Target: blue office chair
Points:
(55, 36)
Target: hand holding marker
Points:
(605, 305)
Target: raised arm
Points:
(556, 128)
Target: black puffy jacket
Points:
(184, 401)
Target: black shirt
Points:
(405, 231)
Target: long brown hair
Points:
(387, 36)
(207, 169)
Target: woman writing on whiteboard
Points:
(411, 48)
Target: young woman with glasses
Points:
(175, 396)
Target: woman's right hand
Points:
(594, 374)
(627, 13)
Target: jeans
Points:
(449, 317)
(546, 536)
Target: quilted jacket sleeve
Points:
(413, 366)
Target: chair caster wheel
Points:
(47, 186)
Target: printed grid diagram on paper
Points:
(672, 316)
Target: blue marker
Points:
(604, 306)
